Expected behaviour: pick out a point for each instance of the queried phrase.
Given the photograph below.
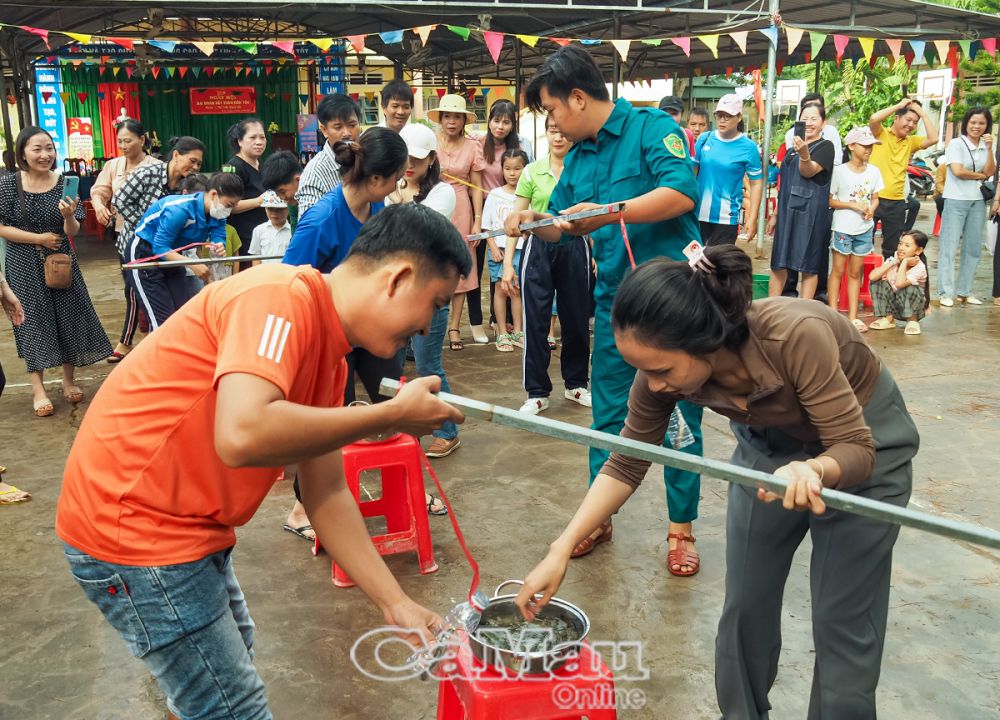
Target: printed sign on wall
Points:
(223, 100)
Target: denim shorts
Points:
(853, 244)
(189, 624)
(496, 268)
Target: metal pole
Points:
(616, 72)
(835, 499)
(816, 82)
(772, 54)
(198, 261)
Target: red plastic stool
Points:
(937, 224)
(872, 261)
(583, 687)
(402, 502)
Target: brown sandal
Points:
(590, 542)
(456, 345)
(681, 556)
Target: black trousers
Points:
(892, 213)
(162, 291)
(718, 233)
(548, 268)
(474, 298)
(996, 264)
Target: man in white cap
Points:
(272, 237)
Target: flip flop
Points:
(5, 501)
(430, 506)
(74, 397)
(114, 357)
(300, 531)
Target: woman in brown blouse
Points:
(809, 401)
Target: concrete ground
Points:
(513, 493)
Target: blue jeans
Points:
(427, 356)
(963, 223)
(189, 623)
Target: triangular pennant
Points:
(895, 46)
(250, 48)
(740, 38)
(268, 70)
(918, 49)
(124, 42)
(711, 42)
(390, 37)
(129, 70)
(182, 71)
(560, 41)
(103, 69)
(196, 71)
(684, 43)
(840, 43)
(303, 99)
(165, 45)
(322, 43)
(655, 42)
(989, 45)
(529, 40)
(729, 71)
(101, 95)
(794, 35)
(64, 96)
(779, 65)
(622, 47)
(357, 42)
(46, 95)
(867, 45)
(287, 46)
(952, 60)
(441, 92)
(816, 41)
(424, 31)
(942, 50)
(966, 46)
(81, 38)
(771, 33)
(494, 42)
(156, 72)
(43, 34)
(82, 97)
(206, 48)
(209, 71)
(462, 32)
(589, 41)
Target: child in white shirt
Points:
(899, 286)
(498, 205)
(272, 237)
(854, 190)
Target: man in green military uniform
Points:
(637, 156)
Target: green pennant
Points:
(247, 47)
(462, 32)
(655, 42)
(816, 41)
(965, 45)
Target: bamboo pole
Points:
(136, 265)
(835, 499)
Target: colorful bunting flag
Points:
(82, 38)
(840, 43)
(494, 42)
(966, 46)
(942, 50)
(560, 41)
(196, 71)
(170, 71)
(771, 33)
(462, 32)
(248, 47)
(529, 40)
(711, 42)
(156, 72)
(684, 43)
(740, 38)
(895, 46)
(43, 34)
(103, 69)
(357, 42)
(206, 48)
(182, 71)
(64, 96)
(322, 43)
(391, 37)
(165, 45)
(867, 46)
(303, 99)
(46, 95)
(655, 42)
(424, 32)
(286, 46)
(794, 35)
(989, 45)
(816, 41)
(124, 42)
(589, 41)
(129, 71)
(82, 97)
(918, 50)
(622, 47)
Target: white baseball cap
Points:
(420, 140)
(271, 200)
(730, 104)
(861, 136)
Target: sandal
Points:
(518, 339)
(302, 531)
(22, 496)
(456, 345)
(43, 408)
(114, 357)
(74, 395)
(587, 545)
(681, 556)
(552, 342)
(439, 510)
(860, 325)
(883, 324)
(505, 343)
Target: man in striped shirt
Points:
(339, 119)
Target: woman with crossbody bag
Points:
(60, 327)
(970, 161)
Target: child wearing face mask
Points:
(174, 222)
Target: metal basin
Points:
(502, 613)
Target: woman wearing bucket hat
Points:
(462, 166)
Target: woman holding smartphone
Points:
(60, 327)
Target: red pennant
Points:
(729, 71)
(355, 96)
(129, 70)
(809, 57)
(494, 43)
(209, 71)
(46, 95)
(441, 92)
(124, 42)
(562, 42)
(82, 97)
(953, 60)
(182, 71)
(43, 34)
(102, 70)
(840, 42)
(779, 66)
(872, 60)
(156, 72)
(989, 45)
(357, 42)
(268, 70)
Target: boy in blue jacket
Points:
(174, 222)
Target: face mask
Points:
(219, 212)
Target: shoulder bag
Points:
(986, 187)
(58, 267)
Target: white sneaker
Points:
(579, 395)
(946, 302)
(533, 406)
(972, 300)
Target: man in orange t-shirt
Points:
(185, 439)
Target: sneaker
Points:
(442, 448)
(912, 328)
(579, 395)
(946, 302)
(971, 300)
(533, 406)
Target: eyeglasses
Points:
(724, 116)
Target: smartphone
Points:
(71, 186)
(799, 130)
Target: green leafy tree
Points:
(972, 90)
